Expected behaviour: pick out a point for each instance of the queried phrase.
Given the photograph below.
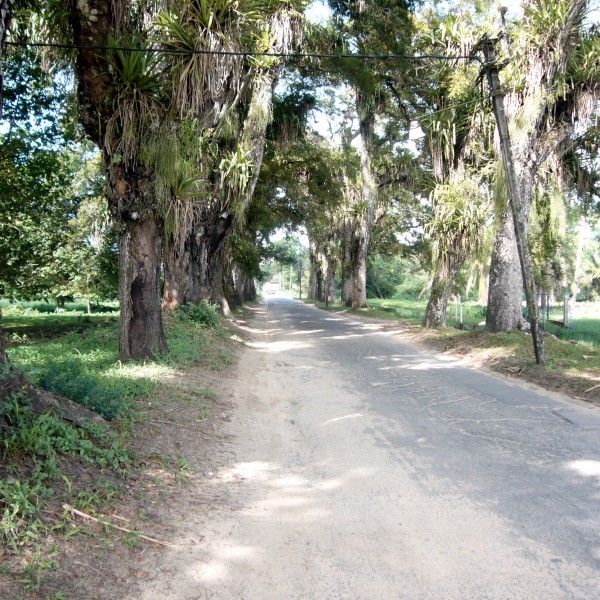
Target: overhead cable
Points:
(244, 53)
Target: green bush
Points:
(200, 315)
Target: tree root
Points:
(42, 400)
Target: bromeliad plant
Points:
(461, 213)
(138, 101)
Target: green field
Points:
(26, 320)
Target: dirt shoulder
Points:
(178, 441)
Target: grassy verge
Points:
(30, 320)
(573, 354)
(48, 463)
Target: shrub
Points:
(200, 315)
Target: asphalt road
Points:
(366, 468)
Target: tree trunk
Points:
(130, 194)
(249, 289)
(3, 355)
(505, 293)
(177, 273)
(346, 262)
(359, 268)
(435, 313)
(366, 125)
(330, 280)
(578, 261)
(141, 326)
(315, 285)
(6, 8)
(211, 238)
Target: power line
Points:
(243, 53)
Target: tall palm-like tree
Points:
(460, 216)
(240, 116)
(552, 81)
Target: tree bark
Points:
(435, 313)
(6, 9)
(366, 125)
(347, 262)
(359, 267)
(140, 326)
(519, 193)
(330, 279)
(249, 289)
(443, 279)
(3, 355)
(315, 281)
(130, 195)
(177, 273)
(505, 292)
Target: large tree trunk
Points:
(315, 281)
(359, 268)
(505, 292)
(177, 273)
(250, 289)
(347, 262)
(130, 192)
(330, 279)
(141, 326)
(443, 279)
(539, 134)
(366, 125)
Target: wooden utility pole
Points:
(491, 69)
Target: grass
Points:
(43, 457)
(26, 320)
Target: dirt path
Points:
(359, 468)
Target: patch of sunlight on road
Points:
(413, 362)
(256, 470)
(344, 336)
(336, 419)
(288, 481)
(308, 332)
(212, 571)
(292, 500)
(422, 366)
(329, 484)
(260, 331)
(218, 567)
(279, 502)
(274, 347)
(585, 468)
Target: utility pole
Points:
(491, 69)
